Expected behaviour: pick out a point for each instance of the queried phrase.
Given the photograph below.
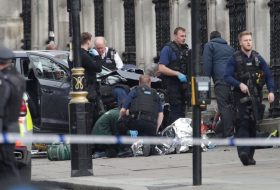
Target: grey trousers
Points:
(223, 95)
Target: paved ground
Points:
(221, 170)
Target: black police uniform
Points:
(177, 91)
(109, 59)
(254, 72)
(144, 105)
(12, 87)
(92, 66)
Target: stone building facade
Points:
(131, 26)
(138, 29)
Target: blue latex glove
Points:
(93, 52)
(182, 77)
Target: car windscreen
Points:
(65, 57)
(62, 57)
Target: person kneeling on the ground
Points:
(145, 109)
(107, 124)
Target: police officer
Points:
(245, 71)
(145, 109)
(12, 86)
(173, 68)
(112, 61)
(111, 58)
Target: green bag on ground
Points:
(58, 151)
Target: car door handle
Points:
(47, 91)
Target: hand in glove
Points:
(182, 77)
(93, 52)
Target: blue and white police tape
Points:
(98, 139)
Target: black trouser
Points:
(245, 128)
(223, 95)
(176, 111)
(144, 128)
(176, 97)
(93, 111)
(9, 174)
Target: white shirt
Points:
(118, 60)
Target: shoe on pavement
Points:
(252, 161)
(146, 149)
(126, 153)
(99, 155)
(155, 150)
(244, 158)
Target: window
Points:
(47, 69)
(25, 67)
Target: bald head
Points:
(145, 80)
(51, 46)
(100, 44)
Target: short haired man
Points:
(247, 72)
(145, 108)
(92, 66)
(216, 54)
(51, 46)
(111, 58)
(173, 68)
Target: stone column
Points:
(113, 24)
(212, 16)
(184, 19)
(87, 16)
(40, 32)
(39, 26)
(145, 33)
(174, 15)
(139, 26)
(43, 24)
(149, 29)
(34, 25)
(61, 26)
(108, 32)
(251, 18)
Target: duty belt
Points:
(144, 116)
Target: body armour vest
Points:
(251, 70)
(182, 53)
(110, 59)
(15, 84)
(176, 90)
(145, 104)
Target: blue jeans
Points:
(120, 95)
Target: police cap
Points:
(5, 54)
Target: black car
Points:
(48, 83)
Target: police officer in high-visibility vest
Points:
(145, 108)
(12, 86)
(247, 72)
